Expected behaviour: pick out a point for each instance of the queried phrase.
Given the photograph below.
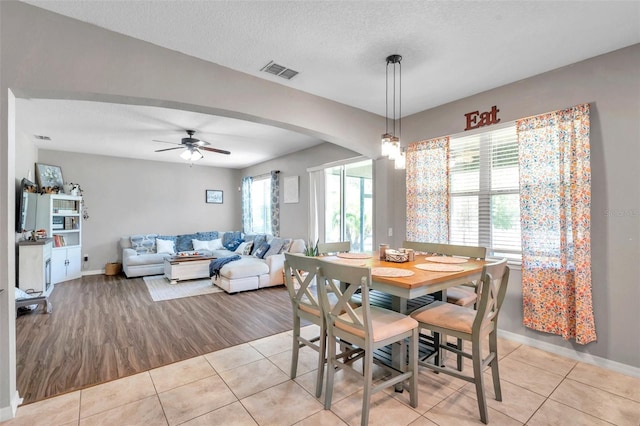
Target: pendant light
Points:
(391, 141)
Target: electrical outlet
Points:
(391, 232)
(86, 257)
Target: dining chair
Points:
(473, 326)
(465, 294)
(422, 247)
(300, 280)
(331, 248)
(368, 328)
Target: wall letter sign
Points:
(476, 119)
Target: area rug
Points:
(160, 289)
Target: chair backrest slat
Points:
(492, 288)
(337, 247)
(300, 279)
(344, 281)
(422, 247)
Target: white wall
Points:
(611, 84)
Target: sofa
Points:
(260, 263)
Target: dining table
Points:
(427, 274)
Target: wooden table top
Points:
(420, 278)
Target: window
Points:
(349, 205)
(484, 192)
(261, 205)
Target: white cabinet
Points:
(34, 266)
(61, 217)
(66, 263)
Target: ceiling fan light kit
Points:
(192, 147)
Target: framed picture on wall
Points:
(214, 196)
(291, 189)
(48, 176)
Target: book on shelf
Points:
(59, 241)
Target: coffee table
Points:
(180, 268)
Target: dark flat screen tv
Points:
(22, 204)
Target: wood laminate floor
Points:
(107, 327)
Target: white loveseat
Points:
(140, 257)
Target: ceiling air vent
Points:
(279, 70)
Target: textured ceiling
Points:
(450, 49)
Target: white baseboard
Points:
(94, 272)
(8, 413)
(628, 370)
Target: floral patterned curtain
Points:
(275, 203)
(246, 204)
(555, 200)
(428, 191)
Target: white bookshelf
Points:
(60, 216)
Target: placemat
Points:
(354, 255)
(391, 272)
(445, 259)
(439, 267)
(352, 262)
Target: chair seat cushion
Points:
(385, 323)
(445, 315)
(461, 296)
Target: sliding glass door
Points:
(348, 214)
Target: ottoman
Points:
(248, 273)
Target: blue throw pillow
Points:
(231, 236)
(207, 236)
(233, 245)
(258, 241)
(262, 250)
(183, 242)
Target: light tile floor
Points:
(249, 384)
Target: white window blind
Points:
(260, 205)
(484, 191)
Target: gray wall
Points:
(127, 196)
(611, 84)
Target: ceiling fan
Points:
(192, 147)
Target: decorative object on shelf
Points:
(74, 189)
(391, 146)
(214, 196)
(49, 178)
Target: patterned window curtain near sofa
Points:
(275, 203)
(246, 205)
(555, 200)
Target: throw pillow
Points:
(144, 244)
(244, 248)
(233, 245)
(200, 245)
(165, 246)
(206, 236)
(183, 242)
(231, 236)
(262, 250)
(207, 245)
(216, 244)
(277, 245)
(258, 240)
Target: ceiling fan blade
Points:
(169, 149)
(219, 151)
(172, 143)
(202, 143)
